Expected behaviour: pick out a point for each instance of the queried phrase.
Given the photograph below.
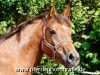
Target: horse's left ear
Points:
(52, 12)
(66, 12)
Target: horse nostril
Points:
(70, 57)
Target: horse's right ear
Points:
(66, 12)
(52, 12)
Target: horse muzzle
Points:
(71, 59)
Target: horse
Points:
(49, 34)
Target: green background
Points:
(85, 15)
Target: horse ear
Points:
(52, 12)
(66, 12)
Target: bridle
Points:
(45, 42)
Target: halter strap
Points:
(44, 41)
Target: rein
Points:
(45, 42)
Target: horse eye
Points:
(52, 32)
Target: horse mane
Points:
(62, 19)
(20, 27)
(59, 17)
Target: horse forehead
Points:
(66, 28)
(56, 25)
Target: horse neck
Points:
(25, 53)
(31, 43)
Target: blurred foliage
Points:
(85, 17)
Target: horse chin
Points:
(63, 60)
(68, 65)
